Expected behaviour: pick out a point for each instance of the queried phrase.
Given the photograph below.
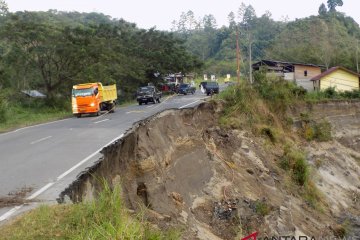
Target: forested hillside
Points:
(330, 38)
(51, 51)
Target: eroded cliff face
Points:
(225, 184)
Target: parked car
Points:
(148, 94)
(209, 87)
(185, 88)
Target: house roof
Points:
(273, 62)
(331, 70)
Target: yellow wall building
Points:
(340, 78)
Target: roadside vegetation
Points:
(104, 218)
(18, 110)
(261, 108)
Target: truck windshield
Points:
(145, 89)
(82, 92)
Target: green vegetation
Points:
(311, 130)
(261, 108)
(294, 161)
(262, 208)
(342, 231)
(331, 94)
(51, 51)
(103, 218)
(328, 39)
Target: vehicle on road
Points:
(185, 89)
(91, 98)
(148, 94)
(209, 88)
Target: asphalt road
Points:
(47, 158)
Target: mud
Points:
(192, 175)
(15, 198)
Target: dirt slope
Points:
(225, 184)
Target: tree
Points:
(322, 9)
(209, 22)
(332, 4)
(231, 19)
(3, 8)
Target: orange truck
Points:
(91, 98)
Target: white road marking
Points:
(150, 106)
(10, 212)
(135, 112)
(40, 191)
(47, 186)
(40, 140)
(189, 104)
(87, 159)
(106, 119)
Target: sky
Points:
(160, 13)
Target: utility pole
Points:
(250, 61)
(237, 56)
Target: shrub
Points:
(3, 110)
(262, 208)
(330, 92)
(270, 133)
(300, 171)
(309, 133)
(294, 160)
(323, 131)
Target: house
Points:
(299, 73)
(340, 78)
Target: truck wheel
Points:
(112, 108)
(140, 103)
(146, 102)
(78, 115)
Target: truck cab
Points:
(91, 98)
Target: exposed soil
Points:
(225, 184)
(15, 198)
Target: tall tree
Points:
(332, 4)
(231, 20)
(322, 9)
(209, 22)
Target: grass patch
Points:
(104, 218)
(298, 179)
(323, 131)
(294, 161)
(342, 231)
(312, 196)
(19, 116)
(331, 94)
(262, 208)
(319, 131)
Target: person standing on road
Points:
(202, 88)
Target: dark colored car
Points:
(148, 94)
(210, 87)
(185, 88)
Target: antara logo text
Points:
(253, 236)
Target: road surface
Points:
(46, 158)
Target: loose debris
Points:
(15, 198)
